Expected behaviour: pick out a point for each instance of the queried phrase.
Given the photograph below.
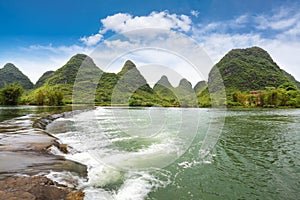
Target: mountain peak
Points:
(164, 81)
(128, 65)
(11, 74)
(80, 56)
(254, 52)
(200, 86)
(67, 74)
(10, 66)
(185, 84)
(246, 69)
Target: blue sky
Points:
(42, 35)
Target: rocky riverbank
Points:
(36, 188)
(25, 154)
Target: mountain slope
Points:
(67, 74)
(185, 94)
(11, 74)
(245, 70)
(200, 86)
(291, 78)
(44, 78)
(165, 91)
(133, 88)
(81, 68)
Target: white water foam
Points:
(115, 173)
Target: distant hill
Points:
(67, 73)
(165, 91)
(81, 68)
(245, 70)
(182, 95)
(186, 94)
(132, 87)
(44, 78)
(185, 85)
(291, 78)
(241, 70)
(200, 86)
(11, 74)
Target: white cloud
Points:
(175, 51)
(265, 22)
(284, 19)
(195, 13)
(92, 40)
(241, 19)
(57, 49)
(232, 25)
(124, 22)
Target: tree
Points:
(262, 97)
(10, 94)
(272, 98)
(235, 97)
(55, 97)
(40, 97)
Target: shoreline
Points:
(29, 160)
(36, 188)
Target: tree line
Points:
(286, 95)
(14, 94)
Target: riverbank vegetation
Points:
(242, 78)
(286, 95)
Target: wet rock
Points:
(44, 121)
(63, 148)
(36, 188)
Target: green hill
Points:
(291, 78)
(105, 88)
(186, 94)
(242, 70)
(43, 78)
(252, 69)
(246, 70)
(80, 68)
(11, 74)
(67, 73)
(200, 86)
(133, 88)
(165, 91)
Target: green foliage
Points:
(40, 97)
(46, 95)
(291, 79)
(286, 95)
(245, 70)
(166, 93)
(10, 94)
(42, 80)
(200, 86)
(67, 73)
(55, 97)
(204, 98)
(11, 74)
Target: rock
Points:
(63, 148)
(75, 196)
(36, 188)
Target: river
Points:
(182, 153)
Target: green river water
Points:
(257, 155)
